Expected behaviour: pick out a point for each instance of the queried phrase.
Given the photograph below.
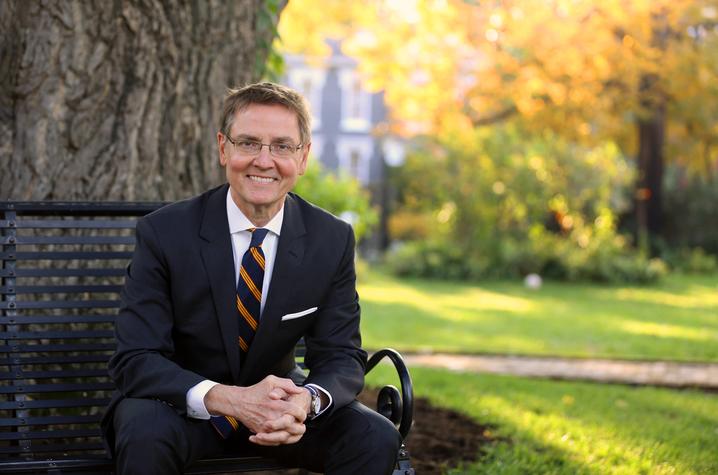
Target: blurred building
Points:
(345, 121)
(344, 114)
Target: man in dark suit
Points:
(220, 289)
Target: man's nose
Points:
(264, 158)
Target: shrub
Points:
(338, 194)
(505, 204)
(546, 254)
(690, 211)
(692, 261)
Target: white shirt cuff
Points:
(195, 399)
(319, 388)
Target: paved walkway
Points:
(658, 373)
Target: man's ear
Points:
(221, 142)
(304, 159)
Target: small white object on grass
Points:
(533, 281)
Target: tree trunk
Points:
(649, 210)
(651, 136)
(120, 100)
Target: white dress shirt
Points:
(239, 226)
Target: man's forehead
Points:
(268, 110)
(266, 118)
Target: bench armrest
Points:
(395, 406)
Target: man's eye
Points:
(283, 147)
(247, 144)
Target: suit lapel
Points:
(287, 266)
(218, 261)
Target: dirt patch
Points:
(439, 438)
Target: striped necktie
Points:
(249, 289)
(248, 303)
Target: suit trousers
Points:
(151, 438)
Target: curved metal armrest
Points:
(399, 411)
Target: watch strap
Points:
(315, 403)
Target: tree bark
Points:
(120, 100)
(649, 209)
(651, 137)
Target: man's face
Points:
(260, 182)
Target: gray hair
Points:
(267, 93)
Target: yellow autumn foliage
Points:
(578, 67)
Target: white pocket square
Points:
(291, 316)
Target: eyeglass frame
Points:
(269, 146)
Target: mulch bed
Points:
(440, 438)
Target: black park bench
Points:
(62, 271)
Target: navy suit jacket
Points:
(178, 323)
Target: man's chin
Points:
(265, 206)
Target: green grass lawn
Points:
(676, 319)
(551, 427)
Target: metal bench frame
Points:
(62, 269)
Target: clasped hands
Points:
(273, 409)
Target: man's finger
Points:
(255, 439)
(282, 407)
(280, 423)
(295, 411)
(287, 385)
(278, 393)
(270, 438)
(286, 423)
(275, 438)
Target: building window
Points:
(354, 162)
(356, 102)
(310, 83)
(355, 157)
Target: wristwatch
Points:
(316, 403)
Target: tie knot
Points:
(258, 235)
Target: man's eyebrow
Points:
(257, 139)
(247, 137)
(283, 139)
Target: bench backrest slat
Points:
(67, 240)
(65, 255)
(48, 434)
(20, 388)
(81, 447)
(32, 319)
(47, 403)
(53, 358)
(19, 348)
(65, 373)
(68, 223)
(65, 272)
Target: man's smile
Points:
(261, 179)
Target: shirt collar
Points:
(239, 222)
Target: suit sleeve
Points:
(334, 356)
(143, 366)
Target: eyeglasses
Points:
(253, 147)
